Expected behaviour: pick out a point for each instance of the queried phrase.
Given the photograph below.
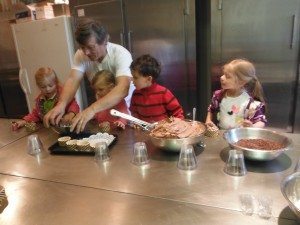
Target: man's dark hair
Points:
(146, 65)
(86, 28)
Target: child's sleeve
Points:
(132, 107)
(33, 116)
(73, 107)
(215, 102)
(173, 106)
(256, 112)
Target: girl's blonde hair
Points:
(105, 76)
(44, 73)
(245, 72)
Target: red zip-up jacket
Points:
(155, 103)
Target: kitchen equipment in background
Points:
(12, 98)
(42, 43)
(164, 29)
(266, 33)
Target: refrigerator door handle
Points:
(23, 76)
(130, 42)
(292, 31)
(122, 39)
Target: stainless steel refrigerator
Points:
(164, 29)
(267, 33)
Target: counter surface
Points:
(171, 194)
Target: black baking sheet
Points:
(57, 149)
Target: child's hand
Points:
(119, 124)
(247, 123)
(15, 125)
(210, 124)
(67, 118)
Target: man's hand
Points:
(80, 120)
(54, 115)
(67, 118)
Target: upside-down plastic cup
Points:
(235, 165)
(140, 154)
(187, 158)
(264, 209)
(101, 152)
(34, 145)
(247, 203)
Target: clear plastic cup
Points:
(34, 145)
(264, 209)
(101, 152)
(187, 158)
(140, 154)
(247, 204)
(235, 165)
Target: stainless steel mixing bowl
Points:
(174, 144)
(290, 188)
(234, 135)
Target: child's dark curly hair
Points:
(146, 65)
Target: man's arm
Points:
(69, 89)
(119, 92)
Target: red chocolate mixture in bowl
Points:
(260, 144)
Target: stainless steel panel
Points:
(14, 100)
(8, 136)
(109, 13)
(8, 55)
(262, 31)
(297, 102)
(166, 30)
(208, 185)
(41, 202)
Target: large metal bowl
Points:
(234, 135)
(290, 188)
(174, 144)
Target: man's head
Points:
(92, 38)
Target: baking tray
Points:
(63, 150)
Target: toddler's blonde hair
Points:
(105, 76)
(245, 72)
(45, 73)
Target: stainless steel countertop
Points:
(207, 189)
(8, 136)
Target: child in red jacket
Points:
(47, 82)
(150, 101)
